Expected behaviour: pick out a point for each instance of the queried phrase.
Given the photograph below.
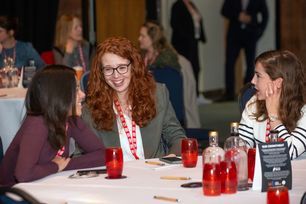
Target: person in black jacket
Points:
(187, 31)
(244, 30)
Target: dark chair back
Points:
(24, 197)
(173, 80)
(1, 150)
(303, 200)
(245, 95)
(84, 81)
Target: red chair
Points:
(48, 57)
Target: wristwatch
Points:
(273, 118)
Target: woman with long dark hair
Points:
(41, 146)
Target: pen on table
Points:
(155, 163)
(166, 198)
(175, 177)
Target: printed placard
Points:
(275, 165)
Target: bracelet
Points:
(273, 118)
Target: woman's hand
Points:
(244, 17)
(272, 103)
(272, 98)
(170, 155)
(61, 162)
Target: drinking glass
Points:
(251, 163)
(79, 72)
(228, 174)
(211, 179)
(277, 195)
(189, 152)
(114, 162)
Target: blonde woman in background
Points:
(157, 52)
(70, 48)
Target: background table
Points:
(12, 110)
(143, 182)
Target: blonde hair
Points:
(63, 29)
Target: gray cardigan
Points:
(73, 59)
(162, 136)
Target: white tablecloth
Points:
(12, 111)
(142, 183)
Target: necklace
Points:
(131, 138)
(82, 57)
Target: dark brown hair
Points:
(9, 23)
(52, 94)
(285, 65)
(141, 91)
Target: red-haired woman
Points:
(126, 107)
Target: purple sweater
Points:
(29, 156)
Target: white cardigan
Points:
(254, 132)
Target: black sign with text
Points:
(275, 165)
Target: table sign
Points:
(272, 166)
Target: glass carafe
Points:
(212, 157)
(235, 150)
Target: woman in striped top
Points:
(279, 103)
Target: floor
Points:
(218, 116)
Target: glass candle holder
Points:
(277, 195)
(211, 179)
(114, 162)
(251, 163)
(189, 151)
(228, 174)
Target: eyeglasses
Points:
(121, 69)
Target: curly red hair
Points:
(142, 88)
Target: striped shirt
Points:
(254, 132)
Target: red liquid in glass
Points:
(278, 195)
(190, 159)
(114, 162)
(189, 152)
(228, 177)
(211, 179)
(251, 163)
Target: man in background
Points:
(243, 31)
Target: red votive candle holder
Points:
(277, 195)
(189, 151)
(114, 162)
(211, 179)
(229, 180)
(251, 163)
